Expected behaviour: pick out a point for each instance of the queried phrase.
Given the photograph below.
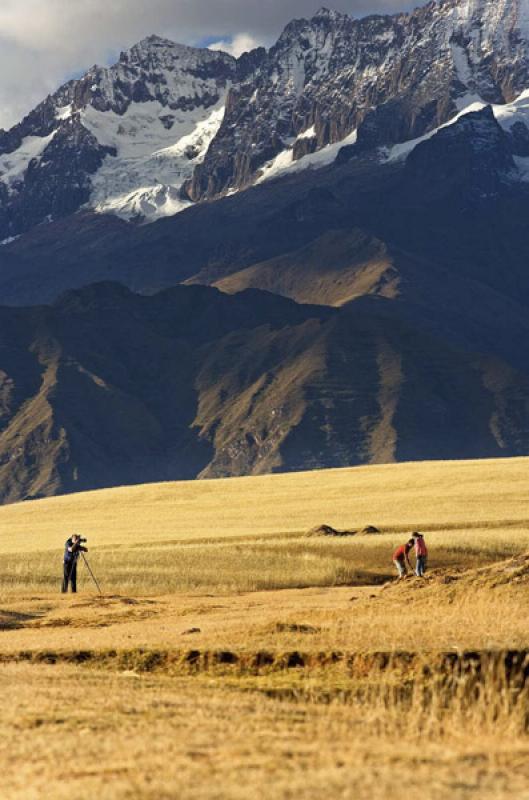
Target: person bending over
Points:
(401, 558)
(72, 550)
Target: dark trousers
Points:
(70, 576)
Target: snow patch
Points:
(146, 204)
(507, 115)
(14, 165)
(10, 239)
(465, 101)
(157, 150)
(64, 112)
(294, 75)
(308, 134)
(517, 111)
(284, 162)
(461, 64)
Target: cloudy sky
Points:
(45, 42)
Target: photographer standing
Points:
(72, 549)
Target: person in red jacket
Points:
(421, 554)
(401, 558)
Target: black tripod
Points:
(91, 573)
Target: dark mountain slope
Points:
(454, 225)
(443, 234)
(457, 202)
(99, 389)
(107, 388)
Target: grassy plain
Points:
(248, 534)
(233, 657)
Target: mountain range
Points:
(170, 124)
(315, 255)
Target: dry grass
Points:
(114, 736)
(275, 694)
(253, 564)
(147, 721)
(246, 534)
(437, 496)
(417, 617)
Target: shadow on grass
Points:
(368, 579)
(14, 620)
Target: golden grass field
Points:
(231, 656)
(249, 533)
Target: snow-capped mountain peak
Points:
(138, 129)
(169, 124)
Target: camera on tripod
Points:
(78, 544)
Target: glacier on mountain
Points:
(284, 163)
(143, 179)
(134, 132)
(13, 166)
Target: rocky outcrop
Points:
(328, 530)
(519, 139)
(393, 78)
(473, 155)
(57, 182)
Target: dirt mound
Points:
(328, 530)
(512, 572)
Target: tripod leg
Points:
(91, 573)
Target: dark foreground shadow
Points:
(14, 620)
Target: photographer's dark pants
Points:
(70, 576)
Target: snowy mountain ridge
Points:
(170, 125)
(390, 79)
(135, 131)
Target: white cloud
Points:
(237, 45)
(42, 42)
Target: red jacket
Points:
(401, 552)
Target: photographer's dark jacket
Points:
(72, 556)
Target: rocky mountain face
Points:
(170, 125)
(390, 79)
(474, 153)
